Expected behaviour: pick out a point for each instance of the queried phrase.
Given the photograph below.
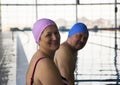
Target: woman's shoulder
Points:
(45, 63)
(46, 67)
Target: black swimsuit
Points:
(32, 80)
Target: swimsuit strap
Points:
(32, 78)
(64, 80)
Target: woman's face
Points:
(79, 40)
(50, 38)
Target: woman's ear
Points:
(38, 43)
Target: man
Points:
(66, 56)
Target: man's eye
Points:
(79, 35)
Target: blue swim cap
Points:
(77, 28)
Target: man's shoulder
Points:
(63, 51)
(63, 46)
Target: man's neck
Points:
(71, 47)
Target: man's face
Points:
(79, 40)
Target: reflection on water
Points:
(97, 63)
(7, 60)
(3, 74)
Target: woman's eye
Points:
(48, 35)
(56, 33)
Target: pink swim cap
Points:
(39, 27)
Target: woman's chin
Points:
(54, 48)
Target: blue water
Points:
(98, 62)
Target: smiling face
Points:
(78, 40)
(50, 38)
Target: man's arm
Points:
(63, 62)
(68, 76)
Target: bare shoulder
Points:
(63, 52)
(46, 63)
(48, 73)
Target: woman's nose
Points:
(54, 37)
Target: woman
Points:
(42, 70)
